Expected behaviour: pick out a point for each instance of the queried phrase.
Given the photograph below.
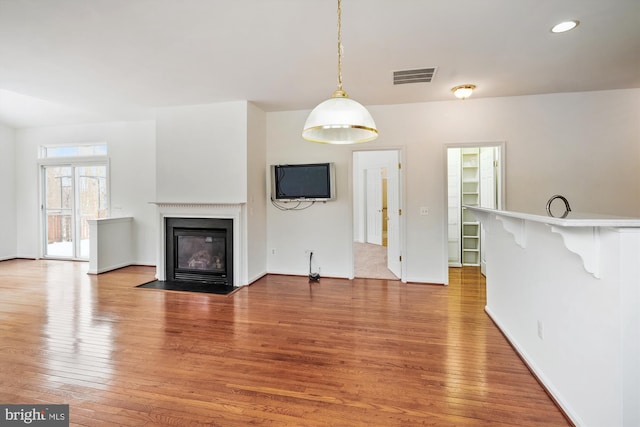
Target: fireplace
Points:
(199, 250)
(232, 213)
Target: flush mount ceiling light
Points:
(339, 119)
(565, 26)
(463, 91)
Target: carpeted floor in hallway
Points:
(371, 261)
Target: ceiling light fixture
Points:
(463, 91)
(565, 26)
(339, 119)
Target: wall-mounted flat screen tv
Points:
(303, 182)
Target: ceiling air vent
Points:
(422, 75)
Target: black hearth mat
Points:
(207, 288)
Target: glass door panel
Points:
(92, 202)
(58, 208)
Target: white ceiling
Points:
(66, 61)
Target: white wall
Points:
(131, 148)
(215, 153)
(8, 234)
(324, 228)
(202, 153)
(582, 145)
(257, 201)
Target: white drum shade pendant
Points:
(339, 119)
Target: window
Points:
(79, 150)
(75, 189)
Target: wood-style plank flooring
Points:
(281, 352)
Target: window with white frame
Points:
(75, 189)
(97, 149)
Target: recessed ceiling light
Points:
(564, 26)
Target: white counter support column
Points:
(110, 242)
(566, 294)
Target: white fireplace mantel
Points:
(233, 211)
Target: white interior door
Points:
(488, 182)
(454, 229)
(488, 191)
(393, 218)
(373, 185)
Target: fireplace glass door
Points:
(203, 253)
(199, 250)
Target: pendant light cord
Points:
(340, 92)
(339, 120)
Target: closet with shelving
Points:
(473, 180)
(471, 197)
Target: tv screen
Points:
(309, 182)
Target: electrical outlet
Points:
(273, 251)
(424, 210)
(540, 330)
(308, 251)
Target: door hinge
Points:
(400, 258)
(399, 165)
(400, 212)
(495, 163)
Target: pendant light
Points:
(339, 119)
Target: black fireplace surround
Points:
(199, 250)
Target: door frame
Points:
(401, 197)
(502, 199)
(62, 162)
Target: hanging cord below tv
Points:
(313, 277)
(296, 207)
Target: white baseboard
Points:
(537, 371)
(108, 268)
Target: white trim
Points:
(402, 221)
(547, 384)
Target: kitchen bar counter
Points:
(566, 294)
(573, 219)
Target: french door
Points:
(72, 194)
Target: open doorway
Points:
(475, 177)
(376, 214)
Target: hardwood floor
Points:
(281, 352)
